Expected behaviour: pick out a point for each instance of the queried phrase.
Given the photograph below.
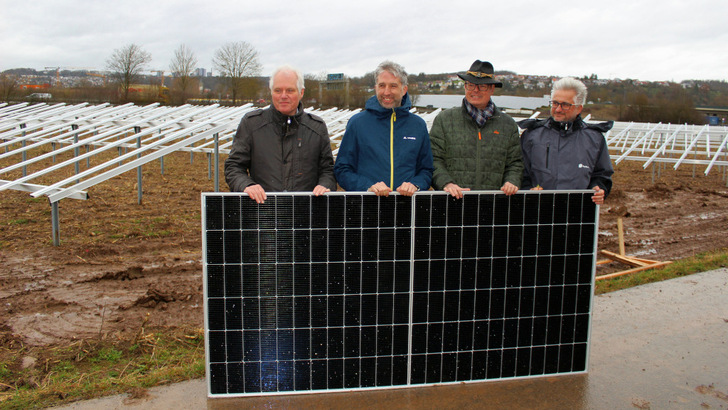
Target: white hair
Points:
(570, 83)
(286, 67)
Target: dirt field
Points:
(122, 265)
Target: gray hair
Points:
(570, 83)
(286, 67)
(394, 69)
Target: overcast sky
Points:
(639, 39)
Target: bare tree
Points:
(182, 65)
(234, 61)
(8, 85)
(126, 64)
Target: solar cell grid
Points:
(349, 291)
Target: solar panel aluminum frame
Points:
(234, 364)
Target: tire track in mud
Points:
(52, 306)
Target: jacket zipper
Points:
(548, 148)
(392, 119)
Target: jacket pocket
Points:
(539, 156)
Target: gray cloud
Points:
(648, 40)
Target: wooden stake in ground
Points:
(639, 263)
(620, 231)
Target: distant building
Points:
(200, 72)
(40, 96)
(713, 115)
(336, 81)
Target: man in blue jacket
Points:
(564, 152)
(385, 147)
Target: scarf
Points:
(480, 116)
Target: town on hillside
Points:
(691, 101)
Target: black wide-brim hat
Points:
(481, 72)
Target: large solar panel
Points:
(350, 290)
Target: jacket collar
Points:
(531, 124)
(577, 124)
(280, 118)
(374, 106)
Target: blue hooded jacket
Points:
(377, 137)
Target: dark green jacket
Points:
(473, 157)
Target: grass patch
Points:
(109, 354)
(699, 263)
(160, 234)
(21, 221)
(4, 371)
(90, 369)
(152, 227)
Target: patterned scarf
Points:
(480, 116)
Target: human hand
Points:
(256, 193)
(598, 197)
(319, 190)
(407, 189)
(455, 190)
(509, 189)
(537, 188)
(380, 189)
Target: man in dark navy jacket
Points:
(385, 147)
(564, 152)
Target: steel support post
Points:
(161, 159)
(55, 225)
(25, 155)
(217, 162)
(137, 130)
(76, 151)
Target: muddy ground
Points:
(122, 265)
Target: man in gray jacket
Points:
(564, 152)
(281, 148)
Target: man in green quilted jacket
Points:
(476, 146)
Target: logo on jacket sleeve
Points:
(583, 166)
(409, 138)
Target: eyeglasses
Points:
(564, 105)
(479, 87)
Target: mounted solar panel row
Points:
(349, 291)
